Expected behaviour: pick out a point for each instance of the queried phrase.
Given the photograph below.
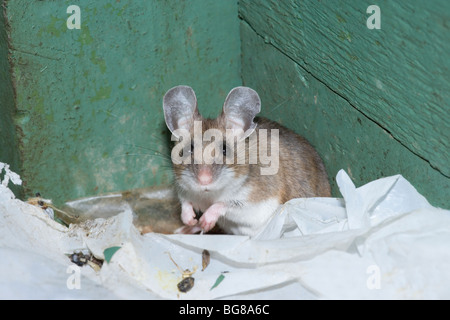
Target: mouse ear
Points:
(240, 108)
(180, 107)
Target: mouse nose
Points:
(204, 176)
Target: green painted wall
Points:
(8, 151)
(88, 105)
(81, 109)
(374, 102)
(9, 147)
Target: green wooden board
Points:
(398, 76)
(81, 109)
(344, 137)
(9, 142)
(87, 110)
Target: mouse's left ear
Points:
(240, 108)
(180, 109)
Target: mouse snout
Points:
(205, 175)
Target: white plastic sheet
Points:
(382, 240)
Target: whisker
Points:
(140, 147)
(161, 156)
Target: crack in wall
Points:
(271, 43)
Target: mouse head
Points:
(203, 145)
(240, 108)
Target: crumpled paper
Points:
(382, 240)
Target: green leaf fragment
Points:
(218, 281)
(109, 252)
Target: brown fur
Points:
(301, 171)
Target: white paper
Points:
(381, 241)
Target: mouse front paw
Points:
(188, 214)
(209, 218)
(207, 223)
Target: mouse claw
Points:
(192, 223)
(188, 230)
(209, 218)
(207, 224)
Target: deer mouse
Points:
(236, 169)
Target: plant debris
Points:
(218, 281)
(81, 259)
(109, 252)
(206, 258)
(187, 282)
(49, 208)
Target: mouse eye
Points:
(224, 149)
(188, 150)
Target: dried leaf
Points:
(206, 257)
(109, 252)
(218, 281)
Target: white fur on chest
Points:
(241, 217)
(248, 219)
(227, 189)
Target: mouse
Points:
(234, 171)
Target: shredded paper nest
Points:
(380, 241)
